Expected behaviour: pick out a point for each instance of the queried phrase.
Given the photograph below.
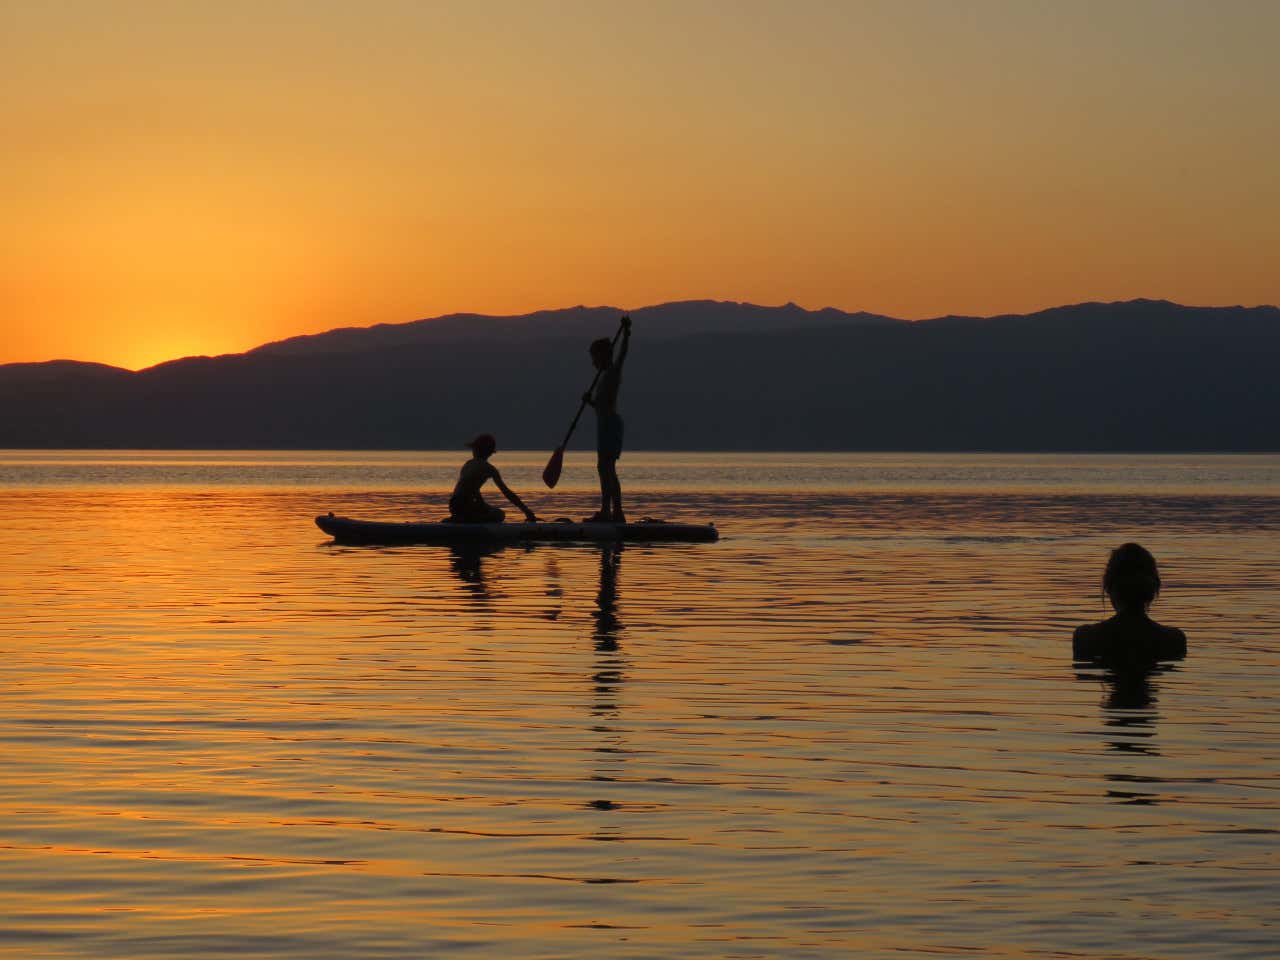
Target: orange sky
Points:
(182, 178)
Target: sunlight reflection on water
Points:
(850, 728)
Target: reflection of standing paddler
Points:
(608, 668)
(607, 678)
(606, 614)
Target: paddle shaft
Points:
(594, 380)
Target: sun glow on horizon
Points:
(382, 165)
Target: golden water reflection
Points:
(849, 728)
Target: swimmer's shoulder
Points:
(1171, 641)
(1086, 641)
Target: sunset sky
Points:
(198, 178)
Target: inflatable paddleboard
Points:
(346, 530)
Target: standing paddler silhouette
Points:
(602, 395)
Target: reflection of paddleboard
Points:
(345, 530)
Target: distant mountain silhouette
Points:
(1136, 376)
(665, 322)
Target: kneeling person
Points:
(465, 504)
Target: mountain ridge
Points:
(1128, 375)
(446, 323)
(659, 320)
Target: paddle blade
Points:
(551, 475)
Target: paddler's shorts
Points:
(609, 437)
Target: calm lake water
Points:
(851, 728)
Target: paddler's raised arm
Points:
(626, 342)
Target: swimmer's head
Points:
(1131, 578)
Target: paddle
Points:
(551, 474)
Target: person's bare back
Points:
(1128, 637)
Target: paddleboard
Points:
(347, 530)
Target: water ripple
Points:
(852, 727)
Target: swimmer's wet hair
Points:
(1131, 578)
